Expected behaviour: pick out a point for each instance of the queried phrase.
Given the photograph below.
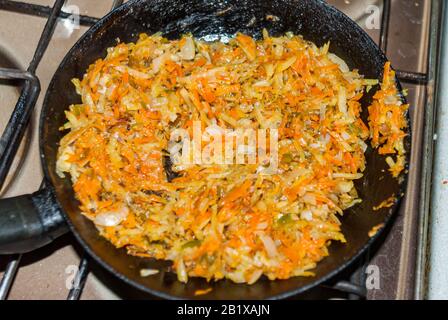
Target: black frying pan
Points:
(30, 221)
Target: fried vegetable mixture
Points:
(234, 221)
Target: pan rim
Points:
(388, 219)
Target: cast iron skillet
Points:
(30, 221)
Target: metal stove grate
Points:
(354, 287)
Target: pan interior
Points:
(315, 21)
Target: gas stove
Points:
(408, 31)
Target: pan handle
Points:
(29, 222)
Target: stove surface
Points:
(46, 273)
